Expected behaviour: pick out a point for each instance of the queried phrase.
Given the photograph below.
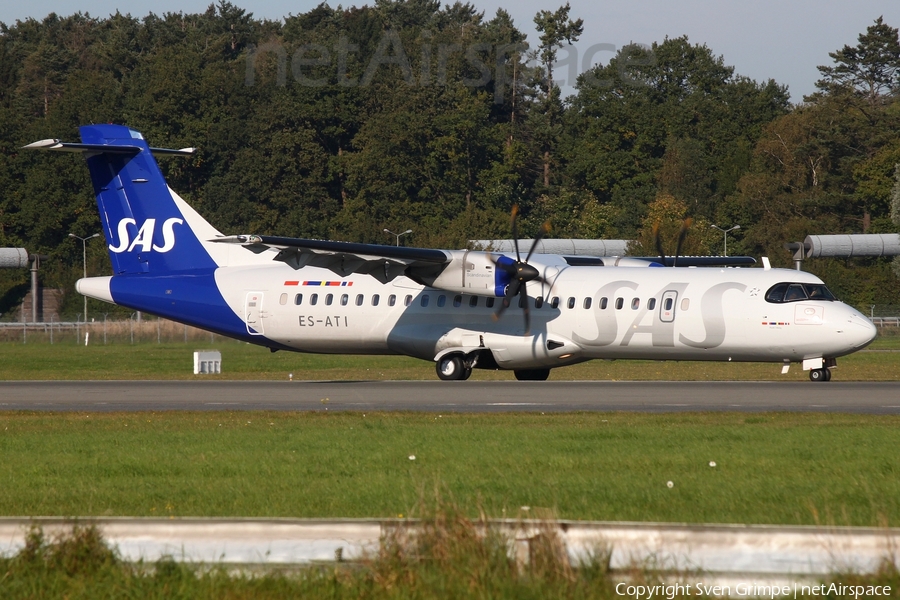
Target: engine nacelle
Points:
(471, 272)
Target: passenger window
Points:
(313, 299)
(392, 300)
(473, 301)
(329, 298)
(669, 303)
(603, 303)
(635, 303)
(587, 303)
(539, 302)
(298, 299)
(489, 302)
(555, 302)
(425, 300)
(359, 299)
(375, 299)
(457, 301)
(620, 302)
(651, 304)
(408, 300)
(442, 300)
(283, 299)
(344, 299)
(571, 302)
(685, 304)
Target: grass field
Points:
(174, 360)
(775, 468)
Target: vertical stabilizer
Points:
(146, 230)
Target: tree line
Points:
(340, 122)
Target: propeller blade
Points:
(515, 230)
(681, 235)
(544, 230)
(658, 242)
(526, 310)
(511, 290)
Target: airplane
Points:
(445, 306)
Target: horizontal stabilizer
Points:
(54, 144)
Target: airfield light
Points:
(725, 233)
(84, 261)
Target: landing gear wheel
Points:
(819, 375)
(532, 374)
(827, 374)
(452, 368)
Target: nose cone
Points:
(861, 331)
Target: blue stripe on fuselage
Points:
(190, 297)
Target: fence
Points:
(128, 331)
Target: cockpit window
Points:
(794, 292)
(819, 292)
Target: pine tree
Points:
(869, 69)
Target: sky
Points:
(784, 40)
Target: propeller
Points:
(659, 246)
(681, 235)
(685, 226)
(519, 271)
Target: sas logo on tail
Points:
(144, 238)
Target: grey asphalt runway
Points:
(444, 396)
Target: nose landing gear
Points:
(823, 374)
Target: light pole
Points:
(84, 260)
(397, 235)
(725, 233)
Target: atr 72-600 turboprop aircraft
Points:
(439, 305)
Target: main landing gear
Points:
(820, 374)
(453, 368)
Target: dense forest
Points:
(341, 122)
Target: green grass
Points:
(147, 360)
(776, 468)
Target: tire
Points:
(532, 374)
(451, 368)
(818, 375)
(827, 374)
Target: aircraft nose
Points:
(862, 331)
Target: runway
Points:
(443, 396)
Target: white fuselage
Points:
(587, 313)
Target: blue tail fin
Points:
(143, 220)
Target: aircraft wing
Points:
(423, 265)
(382, 262)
